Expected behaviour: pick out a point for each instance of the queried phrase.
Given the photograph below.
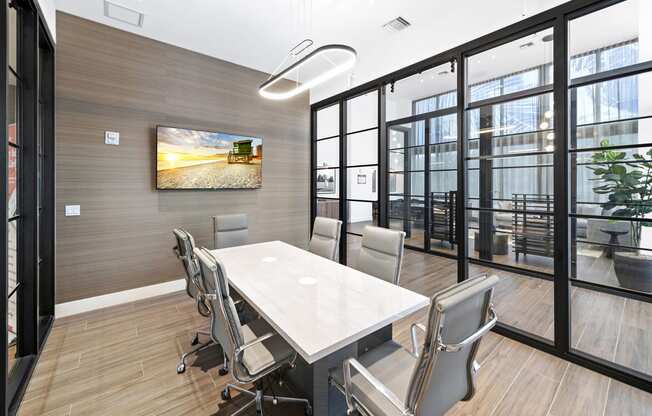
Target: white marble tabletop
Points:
(318, 306)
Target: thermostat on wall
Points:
(112, 137)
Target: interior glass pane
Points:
(12, 181)
(515, 66)
(329, 208)
(362, 112)
(430, 90)
(408, 159)
(328, 153)
(12, 106)
(523, 302)
(362, 148)
(12, 279)
(12, 30)
(407, 135)
(328, 121)
(353, 245)
(361, 214)
(12, 331)
(443, 156)
(407, 183)
(607, 182)
(611, 327)
(363, 183)
(620, 42)
(328, 184)
(12, 255)
(613, 112)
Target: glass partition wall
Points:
(27, 186)
(610, 155)
(510, 204)
(525, 153)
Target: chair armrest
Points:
(473, 337)
(240, 350)
(375, 383)
(413, 333)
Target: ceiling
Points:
(259, 33)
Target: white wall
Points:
(50, 13)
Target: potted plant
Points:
(627, 182)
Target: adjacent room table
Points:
(326, 311)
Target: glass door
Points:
(406, 181)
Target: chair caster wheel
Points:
(195, 340)
(181, 368)
(226, 394)
(308, 410)
(223, 371)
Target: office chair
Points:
(433, 377)
(254, 349)
(184, 251)
(230, 230)
(381, 253)
(325, 240)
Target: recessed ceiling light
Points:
(123, 14)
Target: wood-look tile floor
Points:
(122, 360)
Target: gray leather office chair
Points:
(184, 251)
(381, 253)
(429, 380)
(253, 349)
(230, 230)
(325, 240)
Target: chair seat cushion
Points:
(392, 365)
(263, 355)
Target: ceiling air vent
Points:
(396, 25)
(123, 14)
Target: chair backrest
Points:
(230, 230)
(225, 324)
(381, 253)
(185, 252)
(445, 372)
(325, 240)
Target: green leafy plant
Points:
(627, 180)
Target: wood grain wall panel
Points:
(113, 80)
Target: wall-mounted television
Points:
(195, 159)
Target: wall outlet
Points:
(73, 210)
(112, 138)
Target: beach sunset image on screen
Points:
(193, 159)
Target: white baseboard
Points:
(62, 310)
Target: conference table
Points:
(326, 311)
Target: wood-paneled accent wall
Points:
(108, 79)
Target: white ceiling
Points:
(259, 33)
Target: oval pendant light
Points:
(340, 58)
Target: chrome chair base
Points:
(181, 367)
(259, 397)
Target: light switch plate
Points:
(112, 138)
(73, 210)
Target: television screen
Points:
(193, 159)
